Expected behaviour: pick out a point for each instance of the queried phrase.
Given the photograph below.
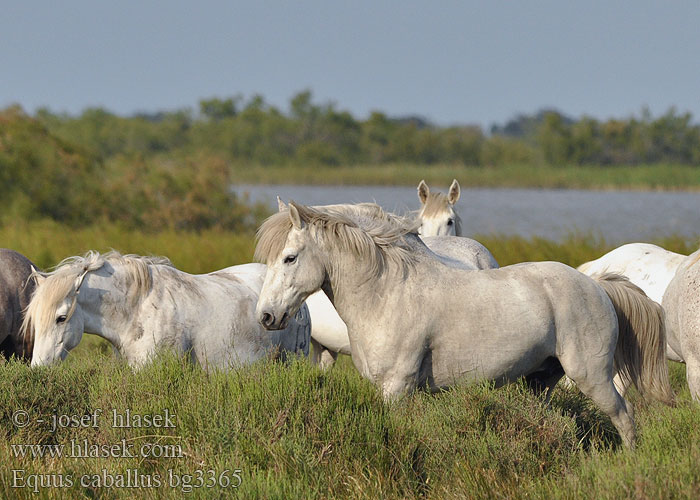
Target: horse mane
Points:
(60, 283)
(364, 229)
(437, 204)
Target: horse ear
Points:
(38, 277)
(281, 207)
(294, 216)
(453, 194)
(79, 281)
(423, 192)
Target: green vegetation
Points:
(254, 133)
(295, 432)
(640, 177)
(45, 176)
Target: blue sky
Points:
(449, 61)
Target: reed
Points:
(640, 177)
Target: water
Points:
(618, 216)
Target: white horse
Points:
(681, 302)
(329, 335)
(415, 321)
(437, 213)
(142, 304)
(648, 266)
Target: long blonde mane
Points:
(54, 287)
(437, 204)
(365, 230)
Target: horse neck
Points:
(106, 308)
(355, 295)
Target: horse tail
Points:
(640, 355)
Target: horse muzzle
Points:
(270, 322)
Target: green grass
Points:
(294, 431)
(46, 243)
(642, 177)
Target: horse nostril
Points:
(267, 319)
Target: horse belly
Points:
(503, 349)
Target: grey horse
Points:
(16, 289)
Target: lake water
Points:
(618, 216)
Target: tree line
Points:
(252, 131)
(173, 168)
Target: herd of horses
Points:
(413, 302)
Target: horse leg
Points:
(321, 356)
(672, 355)
(692, 373)
(545, 378)
(595, 380)
(316, 350)
(328, 359)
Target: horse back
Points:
(510, 320)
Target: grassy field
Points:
(643, 177)
(296, 432)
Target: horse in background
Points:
(648, 266)
(16, 289)
(438, 220)
(681, 301)
(437, 213)
(672, 280)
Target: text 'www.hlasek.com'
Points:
(156, 445)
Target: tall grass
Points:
(46, 243)
(294, 431)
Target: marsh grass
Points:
(644, 177)
(297, 432)
(46, 243)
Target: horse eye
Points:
(61, 318)
(450, 222)
(290, 259)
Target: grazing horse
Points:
(142, 304)
(15, 291)
(681, 302)
(416, 321)
(437, 214)
(329, 335)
